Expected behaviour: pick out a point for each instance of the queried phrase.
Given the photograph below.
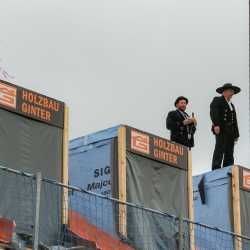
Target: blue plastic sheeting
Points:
(90, 169)
(217, 211)
(86, 142)
(90, 162)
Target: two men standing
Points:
(224, 125)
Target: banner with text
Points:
(157, 148)
(31, 104)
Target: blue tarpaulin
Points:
(217, 210)
(90, 163)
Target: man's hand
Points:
(188, 121)
(216, 130)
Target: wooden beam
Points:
(190, 200)
(65, 175)
(236, 206)
(122, 180)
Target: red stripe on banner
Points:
(6, 230)
(82, 228)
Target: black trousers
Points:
(224, 151)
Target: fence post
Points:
(181, 232)
(37, 211)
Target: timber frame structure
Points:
(236, 206)
(122, 149)
(36, 106)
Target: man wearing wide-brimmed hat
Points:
(182, 127)
(225, 126)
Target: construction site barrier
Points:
(87, 222)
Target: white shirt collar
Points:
(229, 104)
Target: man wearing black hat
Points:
(182, 127)
(225, 126)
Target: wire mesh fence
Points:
(207, 237)
(38, 213)
(17, 206)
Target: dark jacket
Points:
(222, 116)
(178, 131)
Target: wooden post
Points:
(181, 232)
(236, 206)
(37, 211)
(65, 175)
(122, 180)
(190, 201)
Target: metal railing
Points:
(51, 215)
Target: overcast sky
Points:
(124, 62)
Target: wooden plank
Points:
(122, 180)
(190, 200)
(65, 175)
(236, 206)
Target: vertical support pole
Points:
(37, 211)
(181, 233)
(65, 175)
(236, 206)
(190, 201)
(122, 180)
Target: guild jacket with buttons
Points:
(222, 116)
(178, 131)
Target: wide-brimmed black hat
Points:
(179, 99)
(228, 86)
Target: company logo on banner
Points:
(8, 95)
(157, 148)
(140, 142)
(31, 104)
(246, 179)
